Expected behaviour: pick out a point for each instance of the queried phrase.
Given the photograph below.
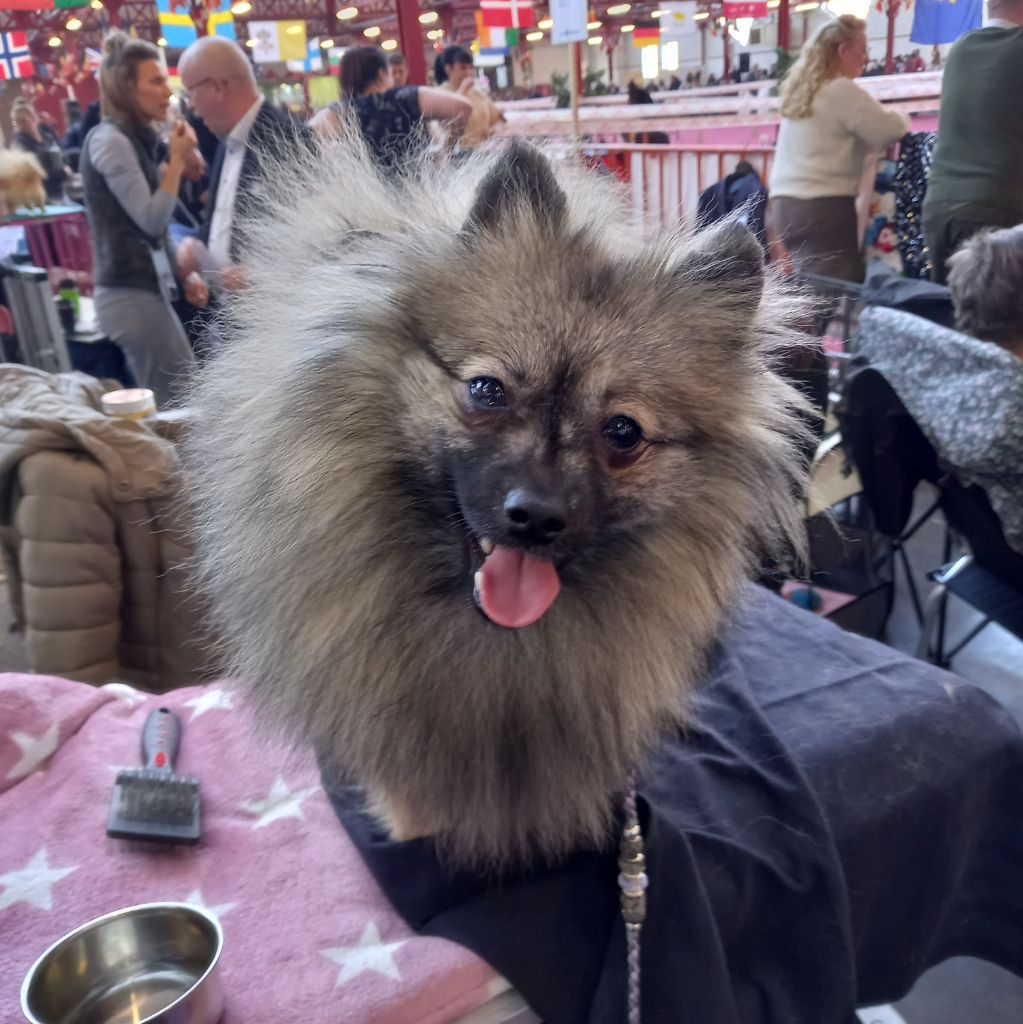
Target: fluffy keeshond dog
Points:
(478, 472)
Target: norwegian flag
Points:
(507, 13)
(14, 59)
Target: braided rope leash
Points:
(632, 881)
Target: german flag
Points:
(646, 33)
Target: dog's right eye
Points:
(487, 393)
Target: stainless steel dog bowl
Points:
(151, 964)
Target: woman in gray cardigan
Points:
(129, 204)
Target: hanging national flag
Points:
(494, 41)
(678, 19)
(745, 9)
(277, 40)
(177, 27)
(15, 61)
(314, 55)
(646, 33)
(92, 60)
(313, 59)
(507, 13)
(40, 5)
(944, 21)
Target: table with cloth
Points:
(838, 818)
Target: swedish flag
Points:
(178, 29)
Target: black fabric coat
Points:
(839, 818)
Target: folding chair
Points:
(903, 422)
(988, 578)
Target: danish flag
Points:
(507, 13)
(15, 61)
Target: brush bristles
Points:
(150, 804)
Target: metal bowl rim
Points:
(202, 912)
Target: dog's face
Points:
(508, 415)
(576, 401)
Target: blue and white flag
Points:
(944, 21)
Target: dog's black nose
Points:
(534, 517)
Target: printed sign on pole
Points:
(570, 18)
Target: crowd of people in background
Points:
(163, 206)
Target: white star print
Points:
(281, 803)
(35, 751)
(196, 900)
(122, 691)
(208, 702)
(369, 955)
(32, 883)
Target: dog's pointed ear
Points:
(521, 180)
(729, 257)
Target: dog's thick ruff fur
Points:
(339, 475)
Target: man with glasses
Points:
(221, 90)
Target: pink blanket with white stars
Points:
(308, 936)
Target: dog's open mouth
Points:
(510, 586)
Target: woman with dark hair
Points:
(453, 71)
(129, 203)
(452, 66)
(391, 120)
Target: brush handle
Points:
(161, 737)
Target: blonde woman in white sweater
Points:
(828, 125)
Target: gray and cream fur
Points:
(343, 481)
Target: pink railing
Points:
(665, 182)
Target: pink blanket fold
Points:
(308, 935)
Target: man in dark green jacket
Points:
(976, 180)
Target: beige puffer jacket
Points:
(92, 537)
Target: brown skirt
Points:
(822, 235)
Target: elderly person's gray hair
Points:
(986, 280)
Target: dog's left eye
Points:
(487, 393)
(623, 433)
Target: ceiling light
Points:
(592, 25)
(435, 33)
(242, 7)
(97, 5)
(773, 3)
(806, 7)
(627, 28)
(161, 41)
(250, 43)
(595, 40)
(390, 44)
(372, 32)
(545, 23)
(428, 17)
(534, 37)
(55, 41)
(326, 44)
(347, 13)
(657, 14)
(73, 24)
(616, 9)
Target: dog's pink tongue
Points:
(517, 588)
